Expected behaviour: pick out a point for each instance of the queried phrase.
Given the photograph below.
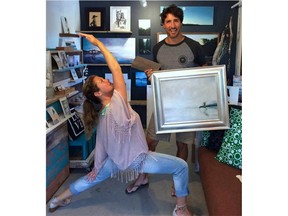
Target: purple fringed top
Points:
(121, 138)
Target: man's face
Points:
(172, 26)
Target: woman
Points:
(121, 149)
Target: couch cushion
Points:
(222, 189)
(231, 148)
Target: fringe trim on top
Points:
(120, 132)
(132, 172)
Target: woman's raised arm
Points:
(118, 79)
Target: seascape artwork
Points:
(123, 50)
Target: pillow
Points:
(75, 126)
(212, 139)
(231, 149)
(205, 137)
(215, 139)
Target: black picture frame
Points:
(99, 20)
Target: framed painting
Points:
(95, 19)
(123, 49)
(120, 18)
(196, 15)
(190, 99)
(144, 27)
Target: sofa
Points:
(219, 158)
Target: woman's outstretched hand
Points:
(90, 38)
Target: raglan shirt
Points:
(187, 53)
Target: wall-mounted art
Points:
(144, 46)
(120, 18)
(123, 50)
(196, 15)
(140, 79)
(95, 19)
(144, 27)
(190, 99)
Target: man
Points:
(175, 51)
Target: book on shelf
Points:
(53, 114)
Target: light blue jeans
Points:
(155, 163)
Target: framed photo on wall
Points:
(120, 18)
(206, 108)
(95, 19)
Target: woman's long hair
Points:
(91, 107)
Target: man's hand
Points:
(148, 73)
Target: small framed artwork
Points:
(120, 18)
(145, 46)
(65, 107)
(95, 19)
(63, 58)
(65, 26)
(53, 114)
(200, 102)
(144, 27)
(140, 79)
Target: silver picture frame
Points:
(190, 99)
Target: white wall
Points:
(54, 10)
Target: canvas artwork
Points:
(144, 46)
(196, 15)
(144, 26)
(123, 50)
